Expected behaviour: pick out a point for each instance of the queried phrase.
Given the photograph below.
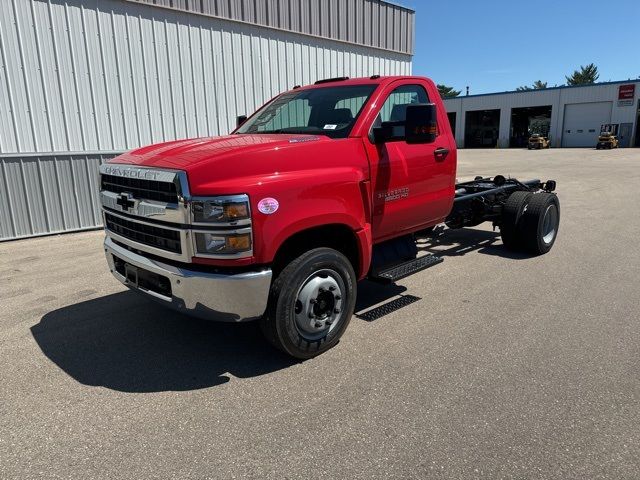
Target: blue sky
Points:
(497, 45)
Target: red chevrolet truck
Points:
(323, 186)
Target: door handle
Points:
(441, 153)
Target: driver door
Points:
(411, 184)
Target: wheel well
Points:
(336, 236)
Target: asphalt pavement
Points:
(502, 366)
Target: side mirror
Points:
(240, 119)
(382, 133)
(421, 125)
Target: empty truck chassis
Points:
(323, 186)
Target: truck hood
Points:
(244, 163)
(188, 154)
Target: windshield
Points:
(330, 111)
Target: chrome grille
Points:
(141, 188)
(157, 237)
(150, 210)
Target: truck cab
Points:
(323, 186)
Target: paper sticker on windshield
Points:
(330, 127)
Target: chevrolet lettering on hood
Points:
(142, 173)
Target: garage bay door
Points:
(582, 123)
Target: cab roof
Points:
(373, 80)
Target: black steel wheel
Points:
(311, 303)
(540, 222)
(511, 214)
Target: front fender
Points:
(306, 200)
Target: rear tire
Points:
(310, 303)
(540, 222)
(511, 214)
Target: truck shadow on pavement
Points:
(458, 242)
(128, 343)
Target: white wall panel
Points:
(105, 76)
(582, 122)
(113, 75)
(49, 194)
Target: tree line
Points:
(586, 75)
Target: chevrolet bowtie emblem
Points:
(125, 202)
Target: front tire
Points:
(310, 303)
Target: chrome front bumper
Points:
(221, 297)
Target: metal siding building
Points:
(81, 81)
(573, 109)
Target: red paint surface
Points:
(324, 181)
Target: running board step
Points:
(397, 272)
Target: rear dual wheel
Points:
(511, 213)
(530, 222)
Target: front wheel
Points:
(311, 303)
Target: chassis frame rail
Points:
(483, 198)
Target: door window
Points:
(395, 107)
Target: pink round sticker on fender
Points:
(268, 205)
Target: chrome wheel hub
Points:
(318, 304)
(549, 223)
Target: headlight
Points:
(222, 244)
(221, 209)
